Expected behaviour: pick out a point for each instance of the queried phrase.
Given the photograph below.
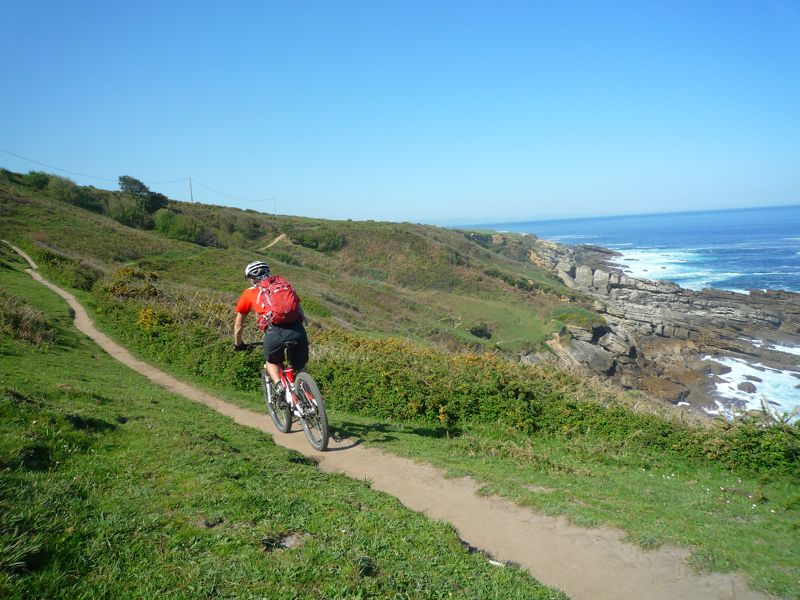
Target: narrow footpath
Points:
(586, 564)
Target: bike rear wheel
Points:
(314, 418)
(278, 409)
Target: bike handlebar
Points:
(247, 346)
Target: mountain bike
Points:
(301, 400)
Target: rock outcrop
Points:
(656, 334)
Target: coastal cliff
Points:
(674, 343)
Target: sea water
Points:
(736, 250)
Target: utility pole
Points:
(191, 194)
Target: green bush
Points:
(10, 176)
(66, 190)
(128, 211)
(37, 180)
(25, 323)
(285, 258)
(481, 330)
(70, 271)
(129, 283)
(397, 379)
(181, 227)
(323, 239)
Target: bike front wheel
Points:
(278, 409)
(314, 418)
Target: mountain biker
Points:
(275, 336)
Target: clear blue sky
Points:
(429, 111)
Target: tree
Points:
(133, 187)
(149, 201)
(154, 202)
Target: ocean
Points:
(736, 250)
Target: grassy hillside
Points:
(112, 487)
(426, 283)
(542, 436)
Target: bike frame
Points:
(287, 378)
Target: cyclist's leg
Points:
(273, 352)
(299, 351)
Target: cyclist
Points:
(275, 336)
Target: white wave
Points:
(680, 266)
(777, 387)
(777, 347)
(573, 237)
(788, 349)
(776, 272)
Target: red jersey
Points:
(247, 302)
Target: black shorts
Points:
(275, 341)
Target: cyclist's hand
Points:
(239, 347)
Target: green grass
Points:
(658, 482)
(378, 281)
(594, 471)
(513, 327)
(729, 521)
(111, 487)
(591, 469)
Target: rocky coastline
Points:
(673, 343)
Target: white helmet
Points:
(257, 269)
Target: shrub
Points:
(323, 239)
(128, 212)
(37, 180)
(71, 271)
(481, 330)
(130, 282)
(10, 176)
(285, 258)
(181, 227)
(397, 379)
(66, 190)
(23, 322)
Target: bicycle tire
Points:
(314, 418)
(279, 411)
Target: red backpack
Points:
(279, 303)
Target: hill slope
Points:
(426, 283)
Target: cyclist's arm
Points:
(303, 316)
(238, 328)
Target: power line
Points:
(228, 195)
(36, 162)
(182, 180)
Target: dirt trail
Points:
(590, 564)
(275, 241)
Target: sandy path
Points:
(590, 564)
(275, 241)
